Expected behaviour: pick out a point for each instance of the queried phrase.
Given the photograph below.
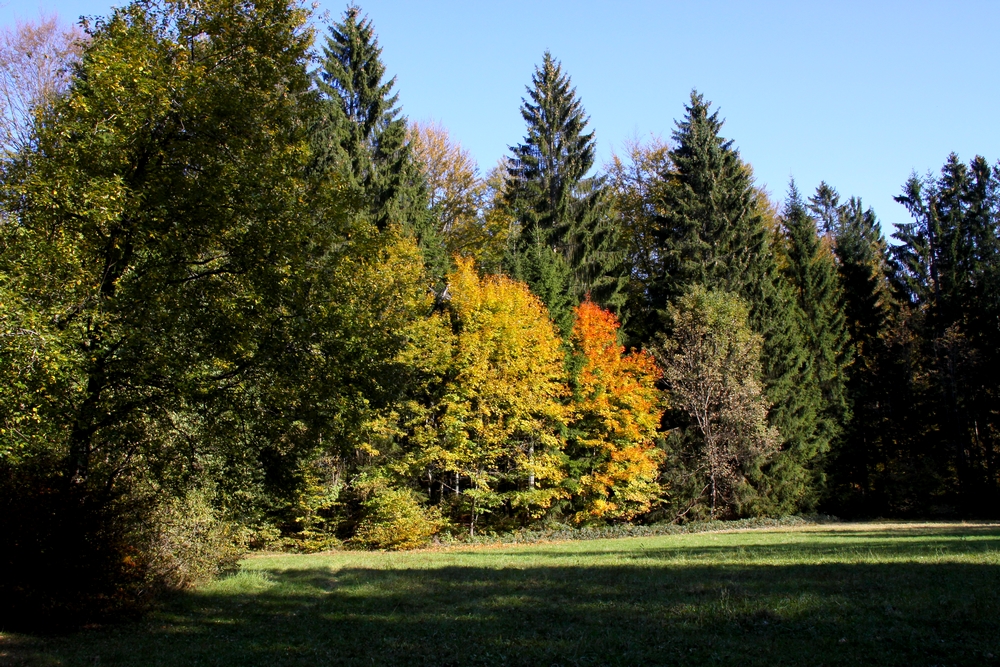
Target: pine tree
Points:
(945, 269)
(812, 272)
(876, 388)
(553, 200)
(361, 133)
(712, 231)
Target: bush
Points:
(194, 544)
(68, 557)
(394, 519)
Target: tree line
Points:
(244, 302)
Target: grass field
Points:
(901, 594)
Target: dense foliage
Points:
(244, 302)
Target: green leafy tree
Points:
(152, 250)
(636, 183)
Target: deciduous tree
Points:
(35, 67)
(486, 416)
(154, 256)
(711, 365)
(714, 228)
(617, 414)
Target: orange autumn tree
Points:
(618, 412)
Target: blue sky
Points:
(857, 93)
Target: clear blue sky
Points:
(857, 93)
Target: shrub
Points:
(193, 544)
(394, 519)
(69, 558)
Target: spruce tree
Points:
(555, 203)
(862, 252)
(712, 231)
(876, 388)
(361, 133)
(825, 205)
(812, 272)
(945, 267)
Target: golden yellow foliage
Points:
(487, 408)
(469, 217)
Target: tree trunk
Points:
(531, 462)
(82, 435)
(713, 494)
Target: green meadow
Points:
(840, 594)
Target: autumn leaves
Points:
(508, 419)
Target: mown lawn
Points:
(902, 594)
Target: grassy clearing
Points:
(902, 594)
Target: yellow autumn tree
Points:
(618, 410)
(465, 204)
(482, 429)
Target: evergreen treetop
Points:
(825, 205)
(361, 131)
(712, 230)
(557, 205)
(812, 272)
(555, 155)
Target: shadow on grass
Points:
(906, 613)
(919, 544)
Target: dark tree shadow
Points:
(644, 609)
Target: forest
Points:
(246, 303)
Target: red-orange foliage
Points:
(619, 410)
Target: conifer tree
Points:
(812, 272)
(554, 201)
(825, 205)
(875, 390)
(862, 256)
(946, 265)
(361, 135)
(712, 231)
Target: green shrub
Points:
(394, 519)
(193, 543)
